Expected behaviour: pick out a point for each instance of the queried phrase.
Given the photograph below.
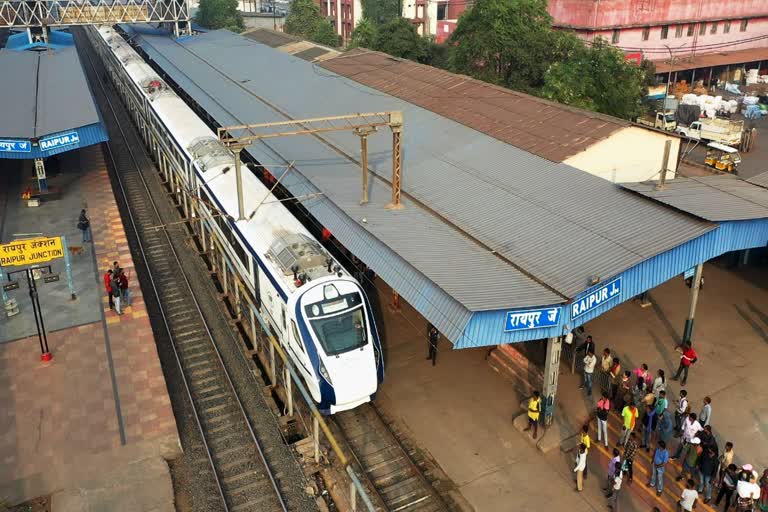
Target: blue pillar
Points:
(68, 267)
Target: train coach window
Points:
(296, 336)
(283, 310)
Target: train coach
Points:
(320, 313)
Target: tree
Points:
(381, 12)
(364, 35)
(400, 39)
(508, 42)
(215, 14)
(305, 21)
(598, 78)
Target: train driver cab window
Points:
(296, 336)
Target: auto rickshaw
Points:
(722, 157)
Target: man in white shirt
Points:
(613, 499)
(748, 490)
(688, 498)
(581, 464)
(691, 427)
(589, 369)
(680, 410)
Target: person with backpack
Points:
(680, 411)
(603, 408)
(84, 225)
(688, 357)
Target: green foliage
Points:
(508, 42)
(381, 12)
(597, 78)
(215, 14)
(305, 21)
(400, 39)
(437, 54)
(364, 35)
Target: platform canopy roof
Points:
(42, 93)
(715, 198)
(486, 225)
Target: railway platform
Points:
(95, 423)
(461, 411)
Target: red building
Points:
(434, 17)
(680, 31)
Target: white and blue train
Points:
(320, 313)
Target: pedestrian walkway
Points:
(101, 404)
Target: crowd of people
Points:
(672, 431)
(116, 287)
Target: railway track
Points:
(398, 481)
(232, 448)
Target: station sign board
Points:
(59, 141)
(596, 298)
(30, 251)
(15, 146)
(531, 319)
(688, 274)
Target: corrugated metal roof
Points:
(544, 128)
(43, 93)
(270, 37)
(293, 45)
(683, 62)
(760, 179)
(714, 198)
(496, 214)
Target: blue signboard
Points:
(689, 273)
(531, 319)
(58, 141)
(15, 146)
(597, 297)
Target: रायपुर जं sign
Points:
(595, 298)
(15, 146)
(531, 319)
(30, 251)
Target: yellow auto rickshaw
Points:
(722, 157)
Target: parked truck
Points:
(661, 120)
(714, 130)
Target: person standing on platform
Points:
(705, 416)
(125, 292)
(660, 460)
(680, 411)
(666, 426)
(630, 450)
(589, 368)
(688, 358)
(688, 497)
(115, 285)
(614, 466)
(603, 408)
(581, 464)
(629, 415)
(661, 403)
(691, 427)
(659, 383)
(614, 374)
(433, 337)
(84, 225)
(587, 345)
(707, 466)
(585, 441)
(606, 360)
(613, 499)
(534, 410)
(650, 421)
(108, 287)
(691, 455)
(725, 459)
(625, 391)
(727, 485)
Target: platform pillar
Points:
(289, 391)
(551, 372)
(694, 298)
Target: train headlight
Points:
(324, 373)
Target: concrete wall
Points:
(344, 14)
(631, 154)
(612, 13)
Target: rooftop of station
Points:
(45, 97)
(716, 198)
(288, 43)
(487, 226)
